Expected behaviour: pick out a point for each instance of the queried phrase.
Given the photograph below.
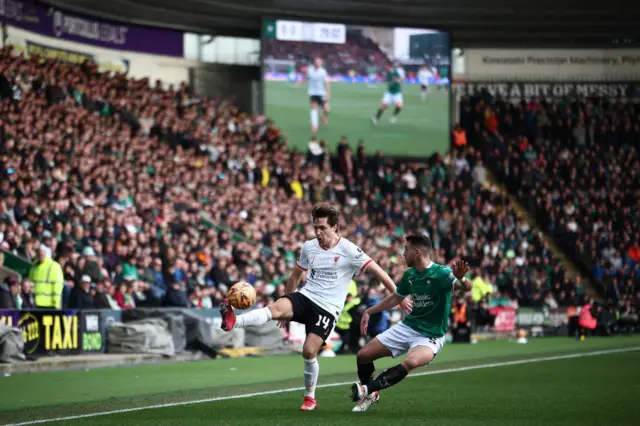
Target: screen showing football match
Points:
(388, 87)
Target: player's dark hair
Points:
(419, 240)
(325, 210)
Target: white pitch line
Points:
(330, 385)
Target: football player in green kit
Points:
(291, 73)
(393, 94)
(421, 334)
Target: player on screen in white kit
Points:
(319, 91)
(421, 334)
(424, 78)
(329, 262)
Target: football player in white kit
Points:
(424, 78)
(329, 262)
(318, 88)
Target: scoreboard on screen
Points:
(312, 32)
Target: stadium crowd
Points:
(145, 196)
(358, 54)
(575, 165)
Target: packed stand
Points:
(132, 199)
(358, 54)
(575, 165)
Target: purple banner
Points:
(53, 22)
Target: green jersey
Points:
(372, 71)
(290, 69)
(431, 291)
(393, 82)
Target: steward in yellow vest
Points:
(48, 281)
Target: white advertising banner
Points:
(552, 64)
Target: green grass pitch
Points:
(554, 381)
(422, 127)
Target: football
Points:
(242, 295)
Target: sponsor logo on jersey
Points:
(422, 301)
(323, 274)
(359, 253)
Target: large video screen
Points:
(388, 87)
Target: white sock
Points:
(423, 95)
(314, 118)
(311, 371)
(257, 317)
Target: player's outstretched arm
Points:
(382, 276)
(327, 88)
(294, 280)
(387, 303)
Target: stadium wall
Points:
(170, 70)
(73, 332)
(514, 74)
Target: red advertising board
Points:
(505, 319)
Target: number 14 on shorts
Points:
(323, 321)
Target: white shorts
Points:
(401, 339)
(388, 98)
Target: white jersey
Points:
(424, 76)
(316, 78)
(329, 272)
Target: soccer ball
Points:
(242, 295)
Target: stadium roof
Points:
(485, 23)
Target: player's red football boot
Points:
(228, 316)
(309, 404)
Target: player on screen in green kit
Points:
(291, 73)
(393, 94)
(421, 334)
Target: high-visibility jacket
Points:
(345, 318)
(460, 313)
(459, 138)
(48, 283)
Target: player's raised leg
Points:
(398, 102)
(365, 359)
(282, 310)
(325, 112)
(315, 116)
(387, 99)
(417, 357)
(312, 345)
(424, 91)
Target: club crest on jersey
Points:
(335, 259)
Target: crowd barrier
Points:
(70, 332)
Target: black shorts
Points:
(315, 319)
(424, 87)
(317, 99)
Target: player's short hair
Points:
(419, 240)
(326, 210)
